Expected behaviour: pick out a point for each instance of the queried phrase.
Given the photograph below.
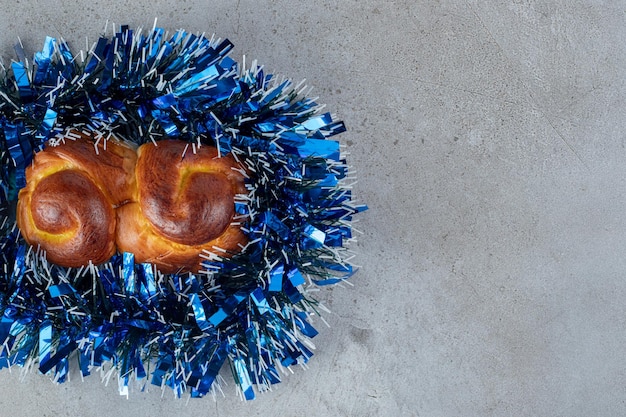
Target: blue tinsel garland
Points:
(251, 311)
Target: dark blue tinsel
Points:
(251, 311)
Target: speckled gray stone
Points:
(489, 142)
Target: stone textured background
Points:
(489, 140)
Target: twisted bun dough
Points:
(183, 206)
(166, 204)
(67, 206)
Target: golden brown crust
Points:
(166, 203)
(193, 203)
(66, 208)
(136, 234)
(111, 164)
(72, 229)
(184, 205)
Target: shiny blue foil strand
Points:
(252, 310)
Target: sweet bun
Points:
(72, 189)
(165, 203)
(184, 205)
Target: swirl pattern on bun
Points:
(166, 204)
(68, 205)
(184, 205)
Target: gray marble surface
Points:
(489, 141)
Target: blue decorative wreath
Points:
(251, 311)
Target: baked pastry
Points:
(166, 204)
(297, 215)
(72, 189)
(184, 205)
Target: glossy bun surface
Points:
(166, 204)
